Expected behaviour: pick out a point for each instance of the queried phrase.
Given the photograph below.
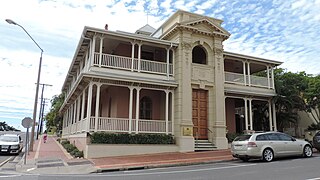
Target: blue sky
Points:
(286, 31)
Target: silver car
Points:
(268, 145)
(11, 143)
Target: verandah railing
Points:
(125, 63)
(120, 125)
(238, 78)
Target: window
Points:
(284, 137)
(262, 137)
(199, 55)
(145, 108)
(273, 137)
(242, 138)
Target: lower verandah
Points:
(109, 108)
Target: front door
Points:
(199, 113)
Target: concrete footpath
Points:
(52, 158)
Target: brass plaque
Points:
(187, 131)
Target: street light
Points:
(38, 83)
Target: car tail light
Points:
(252, 144)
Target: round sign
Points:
(27, 122)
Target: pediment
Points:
(206, 25)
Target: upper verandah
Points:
(183, 17)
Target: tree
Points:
(53, 117)
(312, 97)
(290, 88)
(5, 127)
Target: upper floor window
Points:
(145, 108)
(199, 55)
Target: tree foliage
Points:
(312, 97)
(53, 117)
(5, 127)
(295, 92)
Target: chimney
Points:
(106, 27)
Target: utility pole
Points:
(42, 119)
(41, 109)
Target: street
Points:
(284, 169)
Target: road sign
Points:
(27, 122)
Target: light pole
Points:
(38, 81)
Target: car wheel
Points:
(267, 155)
(244, 159)
(307, 151)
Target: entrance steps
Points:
(204, 145)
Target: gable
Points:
(206, 25)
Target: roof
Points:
(146, 29)
(243, 56)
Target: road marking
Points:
(318, 178)
(10, 176)
(31, 169)
(154, 173)
(5, 161)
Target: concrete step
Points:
(204, 145)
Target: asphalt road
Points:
(284, 169)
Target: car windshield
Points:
(243, 137)
(8, 139)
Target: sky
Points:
(282, 30)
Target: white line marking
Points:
(318, 178)
(9, 176)
(30, 169)
(5, 161)
(171, 172)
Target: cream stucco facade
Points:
(175, 80)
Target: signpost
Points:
(26, 122)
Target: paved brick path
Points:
(53, 150)
(162, 159)
(50, 149)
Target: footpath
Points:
(52, 158)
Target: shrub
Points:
(108, 138)
(70, 148)
(63, 142)
(76, 153)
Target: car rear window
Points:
(243, 137)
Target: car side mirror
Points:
(293, 139)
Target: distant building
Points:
(176, 79)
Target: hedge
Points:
(108, 138)
(70, 148)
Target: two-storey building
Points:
(176, 79)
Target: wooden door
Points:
(199, 113)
